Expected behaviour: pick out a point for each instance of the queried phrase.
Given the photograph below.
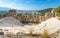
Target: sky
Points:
(29, 4)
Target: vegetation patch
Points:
(58, 14)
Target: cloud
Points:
(15, 5)
(28, 1)
(12, 5)
(1, 2)
(9, 5)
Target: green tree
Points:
(19, 14)
(58, 11)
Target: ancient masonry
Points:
(32, 18)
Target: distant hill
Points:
(26, 11)
(4, 10)
(45, 10)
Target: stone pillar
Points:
(53, 13)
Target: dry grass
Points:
(9, 34)
(45, 34)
